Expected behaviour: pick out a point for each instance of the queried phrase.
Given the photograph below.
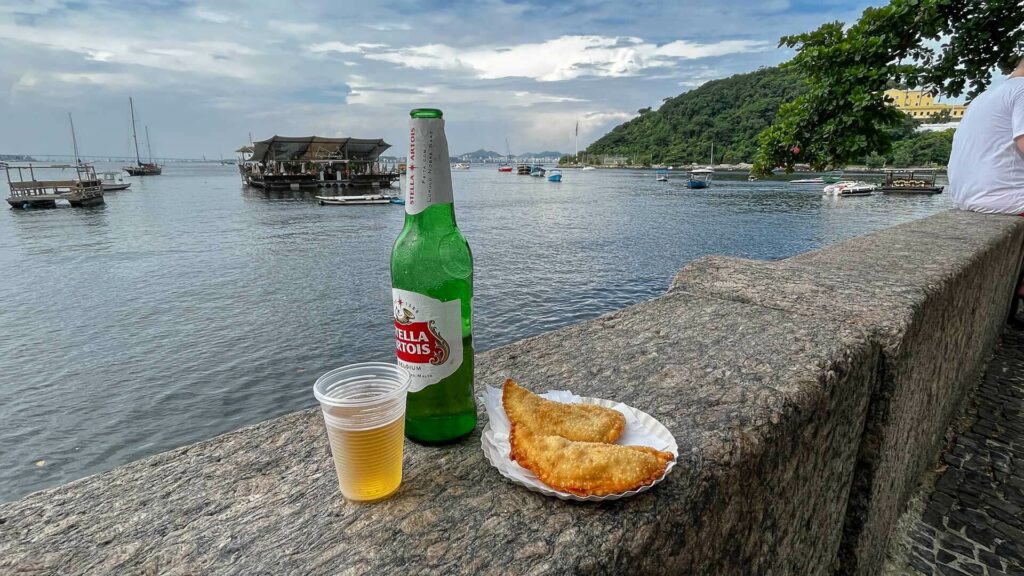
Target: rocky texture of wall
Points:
(934, 294)
(802, 395)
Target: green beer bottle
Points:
(432, 290)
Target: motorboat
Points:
(850, 188)
(398, 200)
(833, 177)
(555, 176)
(700, 178)
(808, 181)
(461, 166)
(523, 169)
(661, 175)
(585, 168)
(113, 181)
(355, 200)
(504, 168)
(537, 171)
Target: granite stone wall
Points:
(934, 293)
(802, 394)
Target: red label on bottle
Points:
(420, 343)
(428, 337)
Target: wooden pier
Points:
(83, 190)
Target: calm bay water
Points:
(189, 306)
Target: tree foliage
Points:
(923, 149)
(943, 46)
(729, 112)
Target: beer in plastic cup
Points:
(364, 412)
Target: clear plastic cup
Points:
(364, 412)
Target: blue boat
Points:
(398, 200)
(700, 178)
(555, 176)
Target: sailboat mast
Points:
(148, 147)
(576, 154)
(712, 154)
(135, 136)
(74, 141)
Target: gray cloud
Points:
(205, 74)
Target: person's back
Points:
(986, 167)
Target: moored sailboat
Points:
(141, 168)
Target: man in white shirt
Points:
(986, 167)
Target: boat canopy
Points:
(311, 148)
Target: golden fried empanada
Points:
(587, 468)
(582, 422)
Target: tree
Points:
(844, 115)
(923, 149)
(875, 161)
(729, 112)
(940, 117)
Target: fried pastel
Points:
(587, 468)
(581, 422)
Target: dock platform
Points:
(83, 190)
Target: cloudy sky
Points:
(206, 74)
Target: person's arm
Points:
(1017, 121)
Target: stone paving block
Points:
(992, 527)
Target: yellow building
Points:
(921, 105)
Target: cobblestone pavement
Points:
(973, 522)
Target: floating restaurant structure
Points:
(289, 163)
(83, 190)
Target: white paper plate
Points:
(642, 429)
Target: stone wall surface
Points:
(934, 293)
(766, 409)
(785, 384)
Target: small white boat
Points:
(461, 166)
(354, 200)
(850, 188)
(808, 181)
(113, 181)
(700, 178)
(585, 168)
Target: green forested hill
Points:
(731, 112)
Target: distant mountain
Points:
(544, 154)
(480, 155)
(730, 112)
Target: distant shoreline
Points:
(740, 169)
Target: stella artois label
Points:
(428, 175)
(428, 337)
